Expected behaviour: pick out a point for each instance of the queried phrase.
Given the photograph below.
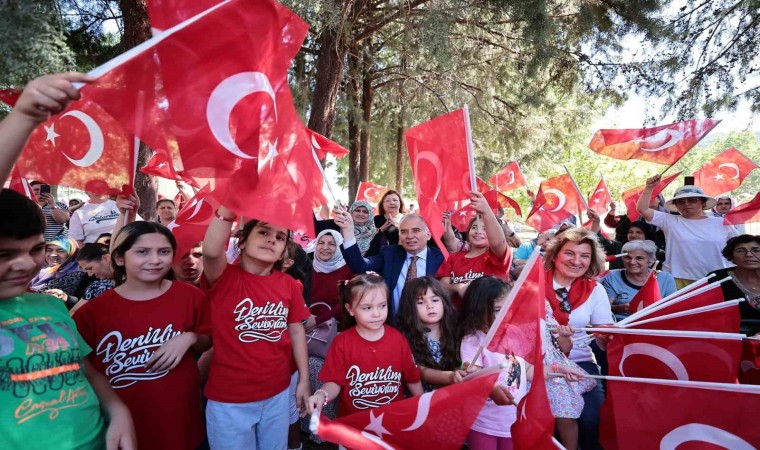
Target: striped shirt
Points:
(53, 228)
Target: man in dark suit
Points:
(396, 263)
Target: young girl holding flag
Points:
(257, 320)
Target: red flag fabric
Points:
(600, 199)
(10, 96)
(189, 227)
(461, 218)
(440, 165)
(323, 146)
(631, 196)
(654, 416)
(508, 178)
(749, 368)
(664, 144)
(674, 358)
(437, 420)
(81, 144)
(648, 294)
(519, 333)
(21, 185)
(161, 165)
(747, 212)
(724, 173)
(495, 198)
(543, 217)
(557, 200)
(370, 192)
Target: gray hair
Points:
(648, 247)
(414, 216)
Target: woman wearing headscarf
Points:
(364, 225)
(329, 270)
(695, 240)
(723, 205)
(60, 259)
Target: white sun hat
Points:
(690, 192)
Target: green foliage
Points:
(32, 42)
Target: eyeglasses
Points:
(746, 251)
(564, 302)
(684, 201)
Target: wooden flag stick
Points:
(585, 203)
(470, 155)
(324, 177)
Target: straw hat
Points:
(690, 192)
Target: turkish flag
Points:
(508, 178)
(557, 200)
(744, 213)
(600, 199)
(648, 294)
(440, 165)
(10, 96)
(631, 196)
(543, 217)
(652, 416)
(21, 185)
(665, 144)
(724, 173)
(519, 333)
(674, 358)
(749, 367)
(724, 320)
(161, 165)
(189, 227)
(370, 192)
(323, 146)
(461, 218)
(83, 143)
(437, 420)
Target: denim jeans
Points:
(588, 422)
(261, 425)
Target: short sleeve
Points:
(76, 230)
(297, 310)
(601, 314)
(201, 313)
(606, 283)
(469, 347)
(334, 369)
(410, 371)
(444, 270)
(661, 219)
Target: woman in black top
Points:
(744, 251)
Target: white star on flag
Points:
(376, 425)
(51, 134)
(718, 177)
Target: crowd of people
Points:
(108, 336)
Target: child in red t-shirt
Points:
(488, 253)
(257, 319)
(428, 320)
(368, 363)
(141, 332)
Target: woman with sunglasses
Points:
(694, 239)
(744, 251)
(573, 260)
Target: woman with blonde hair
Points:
(573, 261)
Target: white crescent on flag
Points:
(699, 432)
(664, 356)
(97, 143)
(731, 166)
(433, 158)
(661, 140)
(560, 199)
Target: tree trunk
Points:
(136, 31)
(400, 153)
(368, 94)
(329, 72)
(354, 128)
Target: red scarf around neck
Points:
(579, 291)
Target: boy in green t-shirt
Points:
(49, 396)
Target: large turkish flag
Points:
(665, 144)
(652, 416)
(440, 165)
(557, 200)
(82, 143)
(724, 173)
(600, 199)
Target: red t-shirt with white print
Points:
(464, 270)
(252, 347)
(124, 334)
(370, 374)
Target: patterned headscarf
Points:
(366, 231)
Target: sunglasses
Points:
(564, 302)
